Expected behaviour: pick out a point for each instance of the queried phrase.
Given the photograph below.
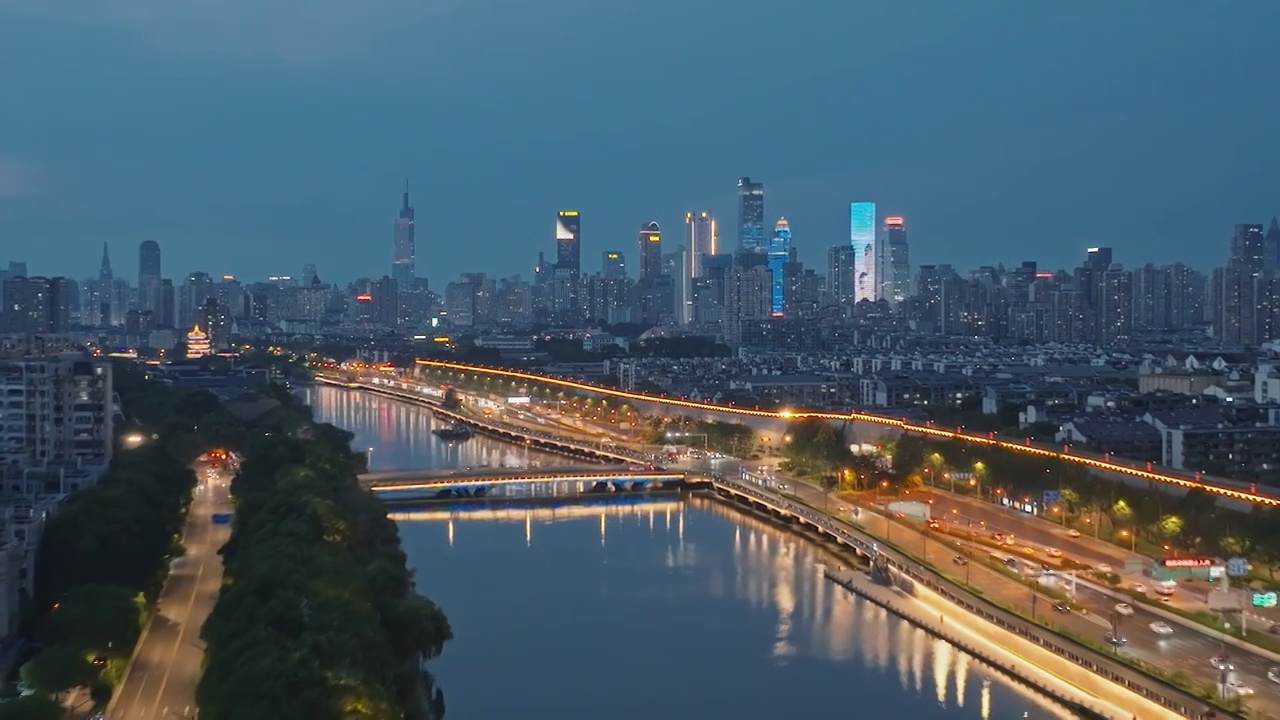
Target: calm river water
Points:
(661, 609)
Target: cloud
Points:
(295, 33)
(15, 178)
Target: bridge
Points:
(1223, 488)
(517, 484)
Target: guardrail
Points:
(1154, 689)
(1218, 486)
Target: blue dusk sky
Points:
(250, 136)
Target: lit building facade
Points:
(650, 249)
(862, 238)
(895, 266)
(779, 254)
(614, 265)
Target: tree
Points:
(1169, 526)
(451, 400)
(102, 619)
(32, 707)
(58, 669)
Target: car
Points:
(1273, 674)
(1161, 627)
(1053, 552)
(1139, 588)
(843, 509)
(1124, 609)
(998, 537)
(1029, 550)
(1117, 640)
(1239, 688)
(1222, 662)
(1061, 607)
(1103, 568)
(960, 560)
(1073, 533)
(1274, 629)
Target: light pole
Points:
(1133, 540)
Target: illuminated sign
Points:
(1044, 275)
(364, 298)
(655, 238)
(441, 338)
(613, 256)
(1265, 599)
(519, 400)
(568, 213)
(1184, 563)
(894, 220)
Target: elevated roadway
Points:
(1227, 490)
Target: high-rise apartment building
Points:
(750, 215)
(66, 406)
(36, 305)
(862, 238)
(1271, 246)
(841, 288)
(1115, 307)
(1247, 247)
(148, 263)
(895, 265)
(779, 254)
(403, 263)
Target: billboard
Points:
(862, 238)
(1186, 563)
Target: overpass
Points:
(480, 483)
(1223, 488)
(602, 451)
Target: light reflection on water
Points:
(663, 609)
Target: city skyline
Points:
(1093, 156)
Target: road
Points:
(160, 683)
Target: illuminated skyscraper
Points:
(569, 241)
(650, 247)
(862, 238)
(402, 266)
(700, 239)
(750, 215)
(779, 253)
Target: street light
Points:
(1133, 540)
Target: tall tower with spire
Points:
(105, 275)
(402, 263)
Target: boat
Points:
(453, 432)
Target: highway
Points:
(160, 683)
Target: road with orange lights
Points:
(1225, 489)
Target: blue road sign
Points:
(222, 518)
(1051, 497)
(1237, 567)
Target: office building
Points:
(700, 239)
(569, 241)
(750, 215)
(148, 263)
(779, 254)
(649, 245)
(895, 265)
(614, 265)
(404, 261)
(862, 238)
(841, 288)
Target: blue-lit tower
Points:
(862, 238)
(779, 253)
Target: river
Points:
(658, 609)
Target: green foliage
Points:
(100, 619)
(318, 617)
(58, 669)
(815, 448)
(451, 400)
(32, 707)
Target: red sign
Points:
(1187, 562)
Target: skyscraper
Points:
(1271, 246)
(148, 263)
(614, 265)
(700, 239)
(569, 240)
(750, 215)
(650, 247)
(779, 253)
(895, 266)
(1247, 247)
(840, 275)
(862, 238)
(402, 266)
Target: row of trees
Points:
(104, 554)
(318, 617)
(725, 437)
(1191, 523)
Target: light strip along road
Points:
(160, 683)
